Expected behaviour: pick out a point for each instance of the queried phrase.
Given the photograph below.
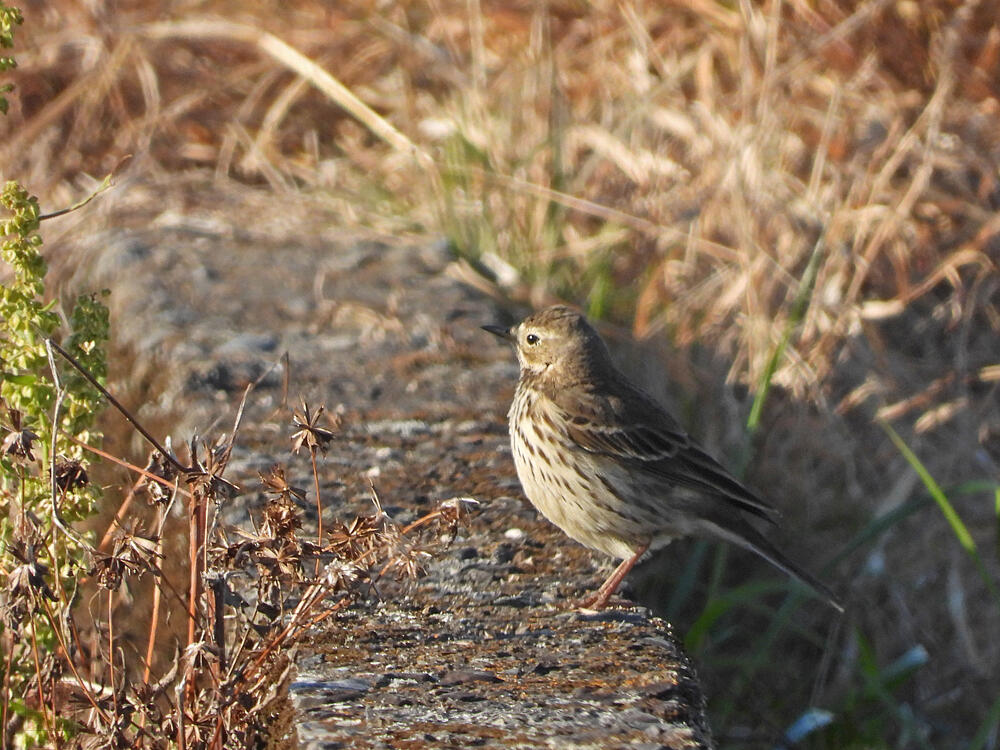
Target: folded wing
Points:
(639, 433)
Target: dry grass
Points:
(672, 165)
(716, 145)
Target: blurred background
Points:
(791, 206)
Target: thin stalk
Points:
(217, 735)
(111, 654)
(6, 691)
(795, 315)
(116, 522)
(219, 625)
(121, 409)
(23, 495)
(55, 716)
(319, 507)
(996, 511)
(38, 673)
(181, 730)
(121, 462)
(105, 184)
(154, 622)
(69, 662)
(194, 590)
(989, 725)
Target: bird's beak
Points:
(504, 333)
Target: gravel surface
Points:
(485, 650)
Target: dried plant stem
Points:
(422, 521)
(21, 503)
(81, 683)
(9, 636)
(210, 28)
(219, 625)
(116, 522)
(121, 409)
(196, 540)
(171, 589)
(122, 462)
(38, 675)
(217, 739)
(312, 596)
(111, 652)
(155, 617)
(181, 733)
(319, 506)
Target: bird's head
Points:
(557, 341)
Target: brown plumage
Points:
(608, 465)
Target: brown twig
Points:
(116, 522)
(196, 532)
(111, 653)
(121, 409)
(319, 505)
(122, 462)
(155, 617)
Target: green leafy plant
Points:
(43, 468)
(9, 18)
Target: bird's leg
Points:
(599, 598)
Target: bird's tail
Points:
(747, 537)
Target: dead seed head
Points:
(275, 484)
(70, 475)
(18, 440)
(406, 562)
(451, 514)
(205, 477)
(357, 539)
(307, 430)
(131, 554)
(158, 466)
(340, 575)
(26, 585)
(280, 519)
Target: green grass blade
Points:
(947, 509)
(761, 654)
(749, 595)
(992, 720)
(795, 316)
(684, 588)
(996, 511)
(958, 527)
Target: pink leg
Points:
(599, 598)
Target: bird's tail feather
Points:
(747, 537)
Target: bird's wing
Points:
(641, 434)
(631, 440)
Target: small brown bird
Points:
(608, 465)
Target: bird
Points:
(607, 464)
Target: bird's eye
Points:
(531, 338)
